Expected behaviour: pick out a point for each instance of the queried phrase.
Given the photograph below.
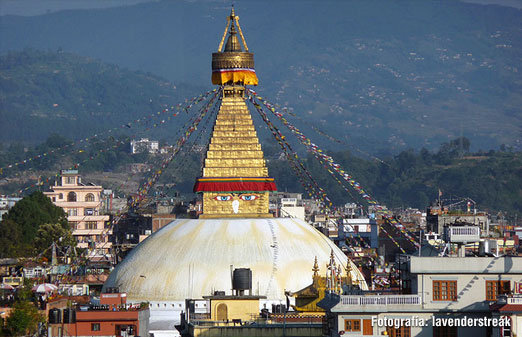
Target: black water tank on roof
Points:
(55, 316)
(242, 279)
(69, 316)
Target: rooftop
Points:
(465, 265)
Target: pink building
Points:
(82, 203)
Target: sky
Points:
(38, 7)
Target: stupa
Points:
(191, 258)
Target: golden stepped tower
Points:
(235, 181)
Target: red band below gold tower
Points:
(234, 184)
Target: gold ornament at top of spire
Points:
(233, 65)
(233, 44)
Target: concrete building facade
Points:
(83, 203)
(441, 290)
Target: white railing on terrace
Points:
(514, 300)
(464, 233)
(465, 230)
(356, 300)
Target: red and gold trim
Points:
(234, 184)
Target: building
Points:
(144, 145)
(160, 220)
(191, 258)
(10, 267)
(6, 203)
(82, 203)
(510, 307)
(434, 288)
(111, 317)
(439, 216)
(287, 205)
(358, 229)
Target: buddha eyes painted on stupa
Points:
(245, 197)
(223, 197)
(248, 197)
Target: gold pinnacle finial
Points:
(233, 44)
(232, 65)
(315, 269)
(349, 279)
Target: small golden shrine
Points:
(306, 299)
(235, 181)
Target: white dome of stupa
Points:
(191, 258)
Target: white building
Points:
(144, 145)
(6, 203)
(442, 290)
(289, 208)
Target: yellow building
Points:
(230, 308)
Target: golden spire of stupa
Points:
(235, 180)
(233, 65)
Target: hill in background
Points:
(56, 92)
(382, 76)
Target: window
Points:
(70, 180)
(72, 211)
(403, 331)
(352, 325)
(71, 196)
(445, 331)
(73, 224)
(494, 288)
(60, 196)
(89, 197)
(444, 290)
(89, 211)
(91, 225)
(54, 199)
(95, 326)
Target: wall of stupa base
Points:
(236, 204)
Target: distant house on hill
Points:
(144, 145)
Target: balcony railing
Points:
(514, 300)
(463, 233)
(381, 300)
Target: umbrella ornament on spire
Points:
(233, 65)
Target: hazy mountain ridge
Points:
(56, 92)
(381, 75)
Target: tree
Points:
(23, 320)
(21, 223)
(49, 233)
